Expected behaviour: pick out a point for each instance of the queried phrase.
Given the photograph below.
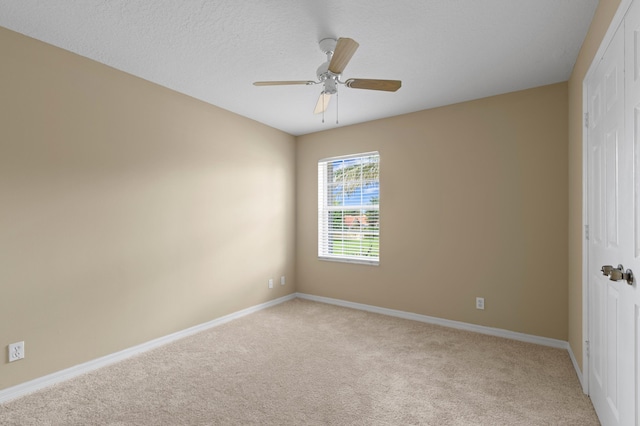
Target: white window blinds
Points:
(349, 208)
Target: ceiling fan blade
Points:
(323, 103)
(345, 48)
(282, 83)
(363, 83)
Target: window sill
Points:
(356, 261)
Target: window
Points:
(348, 208)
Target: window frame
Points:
(324, 209)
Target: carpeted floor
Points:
(304, 362)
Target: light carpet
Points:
(305, 362)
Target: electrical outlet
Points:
(282, 280)
(270, 282)
(16, 351)
(480, 303)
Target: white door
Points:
(630, 293)
(606, 132)
(614, 110)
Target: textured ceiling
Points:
(444, 51)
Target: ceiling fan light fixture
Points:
(331, 86)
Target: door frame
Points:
(623, 7)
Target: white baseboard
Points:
(63, 375)
(545, 341)
(66, 374)
(576, 367)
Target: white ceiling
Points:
(444, 51)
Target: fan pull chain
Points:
(337, 103)
(323, 108)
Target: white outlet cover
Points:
(282, 280)
(480, 303)
(16, 351)
(270, 282)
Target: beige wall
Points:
(128, 211)
(473, 203)
(601, 21)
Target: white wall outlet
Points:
(270, 282)
(282, 280)
(16, 351)
(480, 303)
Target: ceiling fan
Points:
(339, 53)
